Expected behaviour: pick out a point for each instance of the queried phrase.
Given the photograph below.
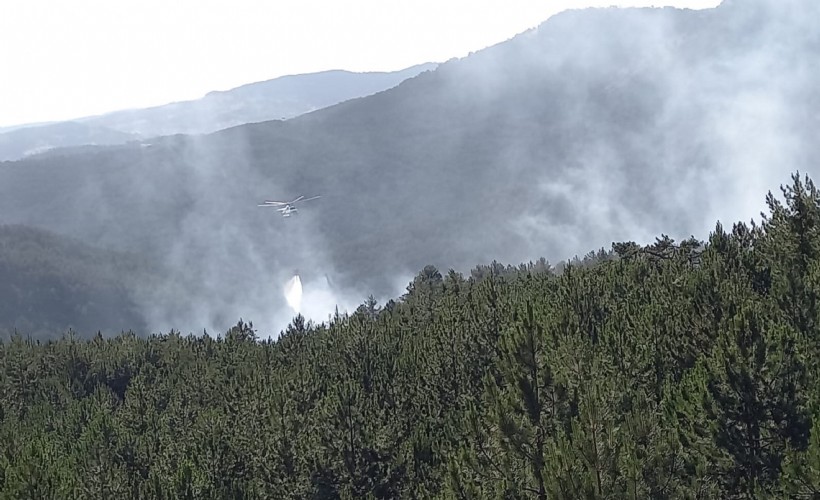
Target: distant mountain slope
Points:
(24, 141)
(600, 125)
(280, 98)
(276, 99)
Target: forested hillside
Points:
(675, 370)
(51, 283)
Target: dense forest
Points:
(674, 370)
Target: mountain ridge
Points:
(278, 98)
(288, 91)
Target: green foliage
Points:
(674, 370)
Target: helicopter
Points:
(286, 208)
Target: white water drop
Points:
(293, 293)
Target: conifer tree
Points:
(756, 395)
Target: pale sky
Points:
(67, 59)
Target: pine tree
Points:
(756, 395)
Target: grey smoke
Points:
(601, 125)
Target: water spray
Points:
(293, 293)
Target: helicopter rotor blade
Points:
(313, 198)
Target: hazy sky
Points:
(62, 60)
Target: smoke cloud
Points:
(599, 126)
